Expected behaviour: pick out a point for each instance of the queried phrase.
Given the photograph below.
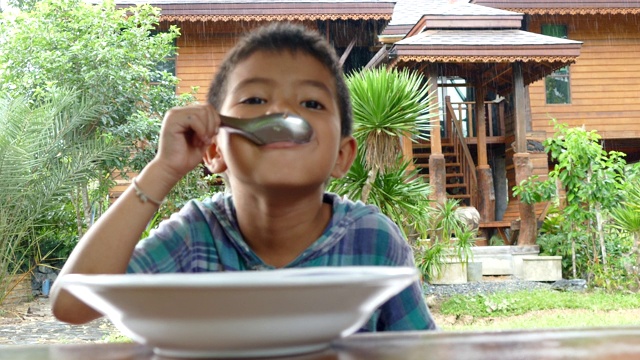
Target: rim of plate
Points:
(312, 276)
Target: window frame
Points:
(562, 75)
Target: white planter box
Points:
(542, 268)
(451, 273)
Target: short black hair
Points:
(277, 37)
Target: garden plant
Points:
(104, 65)
(388, 105)
(581, 228)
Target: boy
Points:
(278, 214)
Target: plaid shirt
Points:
(204, 236)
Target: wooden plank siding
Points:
(200, 52)
(605, 79)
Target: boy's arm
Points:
(107, 247)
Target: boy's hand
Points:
(186, 134)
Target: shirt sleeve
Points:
(169, 248)
(407, 310)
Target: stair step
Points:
(426, 155)
(427, 145)
(459, 196)
(447, 176)
(455, 186)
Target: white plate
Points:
(241, 314)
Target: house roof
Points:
(268, 10)
(488, 52)
(407, 13)
(561, 7)
(485, 46)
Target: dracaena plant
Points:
(387, 106)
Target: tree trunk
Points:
(366, 189)
(76, 206)
(86, 204)
(636, 248)
(600, 226)
(573, 254)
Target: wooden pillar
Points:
(432, 77)
(481, 125)
(437, 163)
(486, 192)
(521, 159)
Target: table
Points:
(617, 343)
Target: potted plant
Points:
(443, 257)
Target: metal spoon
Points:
(270, 128)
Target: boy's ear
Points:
(213, 160)
(346, 156)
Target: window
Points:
(167, 65)
(557, 85)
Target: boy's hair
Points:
(277, 37)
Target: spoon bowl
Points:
(271, 128)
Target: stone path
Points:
(32, 323)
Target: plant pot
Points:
(451, 272)
(474, 271)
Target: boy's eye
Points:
(253, 101)
(312, 104)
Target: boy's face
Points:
(294, 83)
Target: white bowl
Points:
(241, 314)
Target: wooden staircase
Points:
(457, 185)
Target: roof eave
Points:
(497, 53)
(566, 7)
(275, 11)
(577, 11)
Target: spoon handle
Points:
(270, 128)
(238, 126)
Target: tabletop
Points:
(615, 343)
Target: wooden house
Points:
(482, 60)
(586, 81)
(514, 64)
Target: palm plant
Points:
(399, 193)
(47, 150)
(387, 106)
(626, 217)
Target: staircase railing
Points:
(467, 165)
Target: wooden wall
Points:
(201, 48)
(605, 80)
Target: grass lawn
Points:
(537, 309)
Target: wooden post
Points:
(481, 127)
(521, 159)
(521, 111)
(437, 163)
(436, 141)
(486, 192)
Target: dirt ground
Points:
(32, 323)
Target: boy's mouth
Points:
(280, 145)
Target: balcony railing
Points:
(465, 113)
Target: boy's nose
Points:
(281, 107)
